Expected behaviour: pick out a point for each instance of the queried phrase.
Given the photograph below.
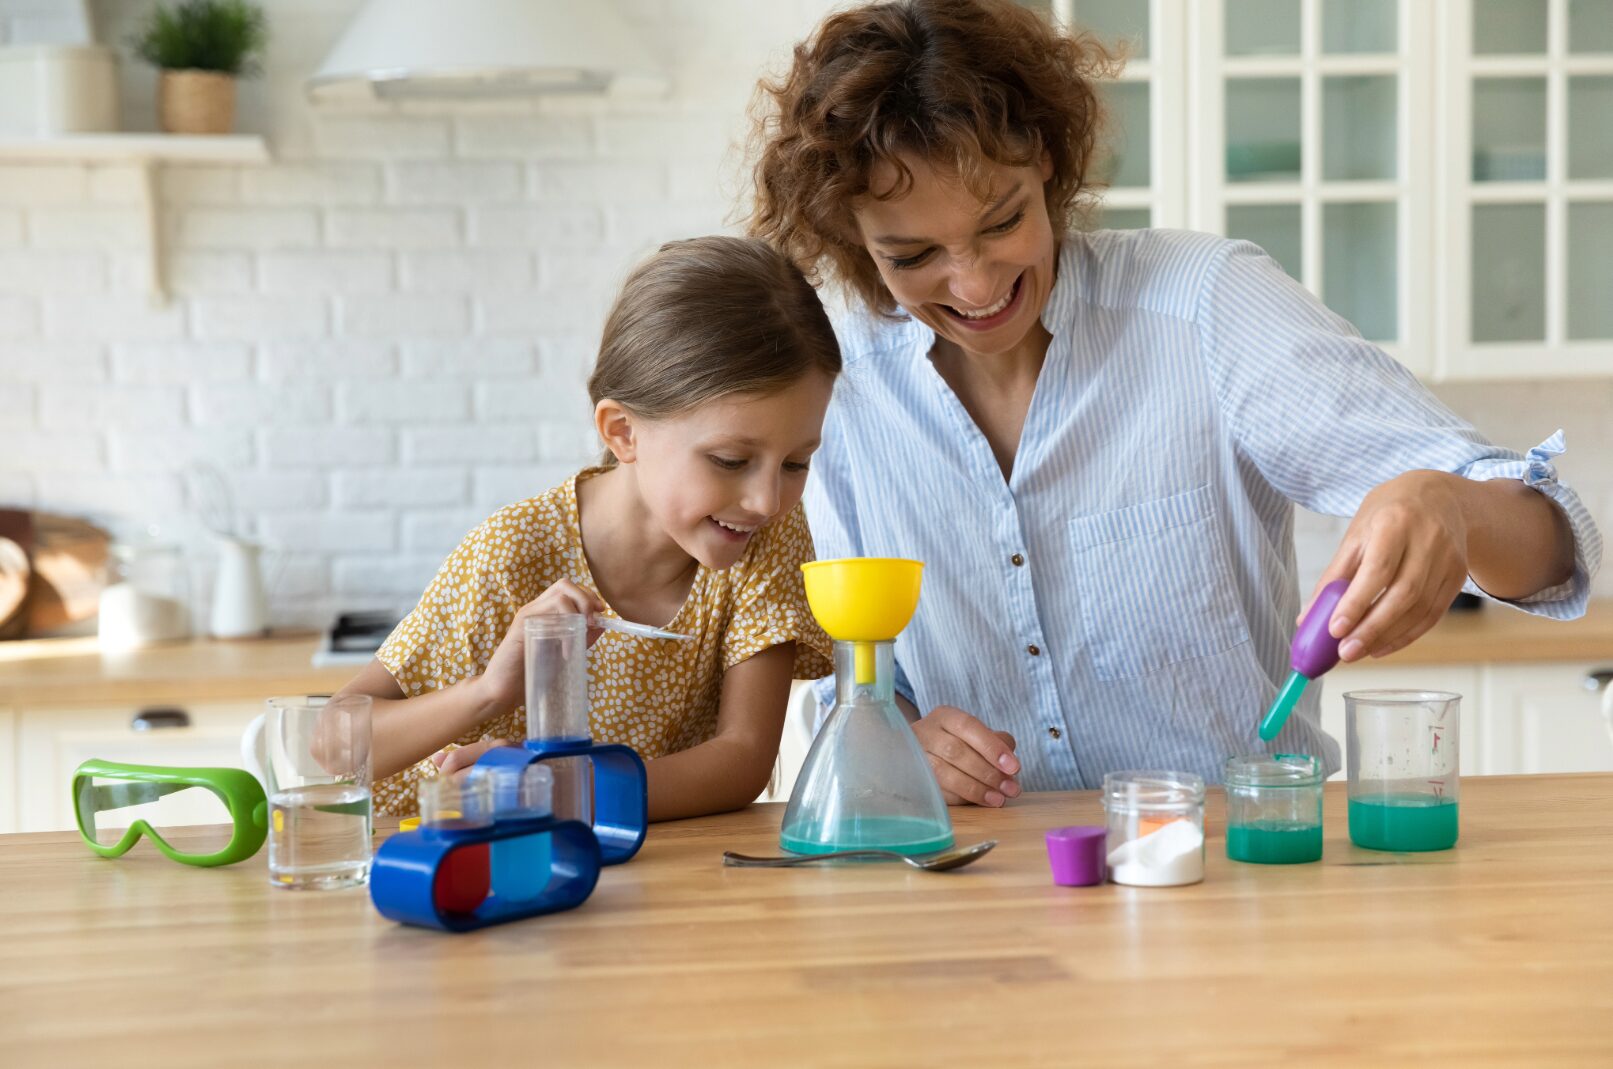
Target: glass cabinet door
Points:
(1310, 146)
(1143, 169)
(1529, 155)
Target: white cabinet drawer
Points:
(51, 743)
(1543, 718)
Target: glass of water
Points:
(317, 752)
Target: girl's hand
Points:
(460, 758)
(502, 686)
(971, 762)
(1405, 555)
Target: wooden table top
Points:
(1499, 951)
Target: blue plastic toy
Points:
(621, 809)
(439, 877)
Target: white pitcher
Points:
(240, 603)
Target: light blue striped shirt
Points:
(1192, 393)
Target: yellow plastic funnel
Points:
(863, 600)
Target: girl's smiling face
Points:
(710, 476)
(976, 271)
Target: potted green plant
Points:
(201, 47)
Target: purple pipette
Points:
(1313, 651)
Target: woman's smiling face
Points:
(976, 271)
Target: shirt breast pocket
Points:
(1154, 585)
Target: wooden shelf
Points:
(135, 148)
(147, 152)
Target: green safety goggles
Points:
(115, 804)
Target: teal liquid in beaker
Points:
(905, 835)
(1403, 822)
(1270, 842)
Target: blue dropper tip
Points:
(1287, 698)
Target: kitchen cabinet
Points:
(1516, 718)
(1438, 172)
(51, 743)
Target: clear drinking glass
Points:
(1274, 808)
(317, 752)
(557, 706)
(1156, 827)
(1402, 749)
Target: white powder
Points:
(1168, 857)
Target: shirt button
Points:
(1054, 733)
(1017, 559)
(1034, 650)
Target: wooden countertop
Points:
(69, 671)
(1499, 951)
(74, 670)
(1500, 635)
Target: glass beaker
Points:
(1402, 748)
(1156, 828)
(317, 763)
(557, 706)
(866, 782)
(1274, 808)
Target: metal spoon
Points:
(954, 857)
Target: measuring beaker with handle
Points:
(1402, 751)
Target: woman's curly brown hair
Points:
(955, 82)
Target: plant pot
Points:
(196, 102)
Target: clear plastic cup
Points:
(1274, 808)
(1402, 751)
(1156, 828)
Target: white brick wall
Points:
(383, 335)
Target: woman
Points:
(1096, 440)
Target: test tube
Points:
(520, 866)
(449, 803)
(557, 706)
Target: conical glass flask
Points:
(865, 782)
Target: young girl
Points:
(713, 376)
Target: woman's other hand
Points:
(972, 763)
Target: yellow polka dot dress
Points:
(657, 697)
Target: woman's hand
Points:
(971, 762)
(1406, 557)
(502, 686)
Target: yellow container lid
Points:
(408, 823)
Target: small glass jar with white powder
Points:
(1156, 828)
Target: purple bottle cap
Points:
(1314, 650)
(1077, 855)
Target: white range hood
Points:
(479, 49)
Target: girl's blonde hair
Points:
(707, 318)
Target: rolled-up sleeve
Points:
(1326, 416)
